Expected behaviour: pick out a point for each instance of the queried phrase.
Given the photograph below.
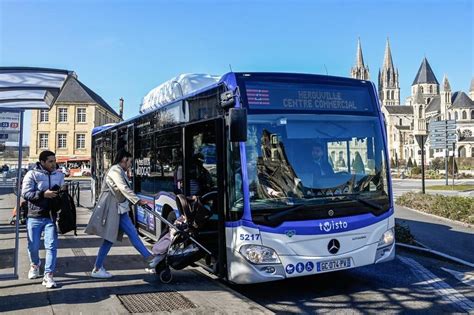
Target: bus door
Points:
(204, 176)
(96, 168)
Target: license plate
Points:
(333, 264)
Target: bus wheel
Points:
(166, 276)
(171, 217)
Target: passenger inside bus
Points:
(321, 166)
(200, 181)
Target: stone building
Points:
(360, 70)
(389, 87)
(66, 128)
(428, 101)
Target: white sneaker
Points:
(34, 271)
(48, 281)
(101, 273)
(155, 261)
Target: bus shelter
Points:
(21, 89)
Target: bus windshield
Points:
(303, 166)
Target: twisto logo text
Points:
(333, 225)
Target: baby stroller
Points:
(181, 248)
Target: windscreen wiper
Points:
(277, 215)
(368, 203)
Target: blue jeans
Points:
(35, 226)
(127, 227)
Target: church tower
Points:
(360, 71)
(445, 98)
(425, 81)
(389, 88)
(471, 90)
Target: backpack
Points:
(66, 216)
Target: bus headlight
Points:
(387, 238)
(257, 254)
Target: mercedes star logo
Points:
(331, 213)
(333, 246)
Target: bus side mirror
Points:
(238, 124)
(227, 99)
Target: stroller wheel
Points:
(161, 266)
(166, 276)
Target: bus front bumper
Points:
(241, 271)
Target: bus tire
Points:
(170, 217)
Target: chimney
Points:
(121, 108)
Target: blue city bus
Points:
(296, 164)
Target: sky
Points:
(126, 48)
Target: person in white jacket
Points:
(40, 187)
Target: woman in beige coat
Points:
(110, 218)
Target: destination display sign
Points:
(318, 97)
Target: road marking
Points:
(465, 277)
(444, 290)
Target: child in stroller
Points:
(178, 245)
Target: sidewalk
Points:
(131, 290)
(440, 235)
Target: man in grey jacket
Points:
(40, 188)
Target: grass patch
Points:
(451, 187)
(451, 207)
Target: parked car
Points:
(65, 171)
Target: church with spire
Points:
(360, 70)
(428, 101)
(389, 88)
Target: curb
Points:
(253, 304)
(436, 253)
(464, 224)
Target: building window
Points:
(62, 141)
(43, 140)
(431, 89)
(81, 115)
(401, 121)
(449, 116)
(80, 141)
(466, 133)
(44, 115)
(456, 116)
(62, 117)
(464, 115)
(472, 114)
